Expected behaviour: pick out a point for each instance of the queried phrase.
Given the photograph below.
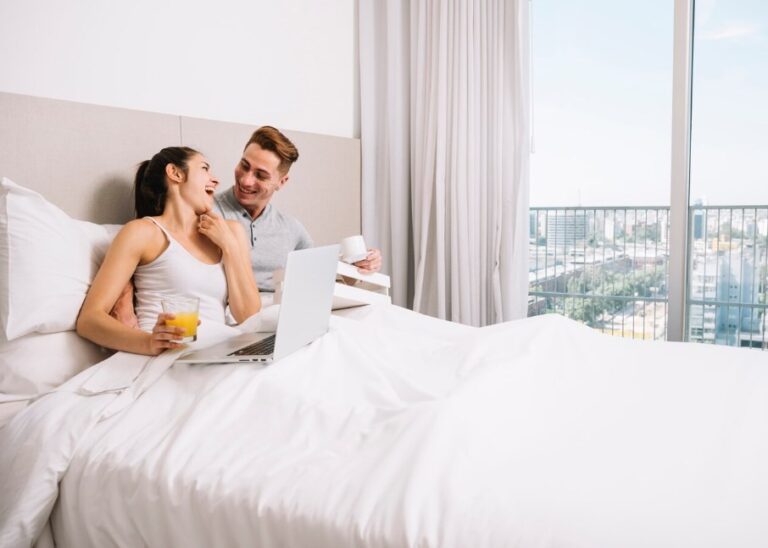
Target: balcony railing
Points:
(728, 275)
(608, 267)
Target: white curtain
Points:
(445, 141)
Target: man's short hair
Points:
(270, 138)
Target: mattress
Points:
(399, 430)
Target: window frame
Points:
(682, 80)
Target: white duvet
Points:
(398, 430)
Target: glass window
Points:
(728, 235)
(600, 171)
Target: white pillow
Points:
(37, 363)
(47, 262)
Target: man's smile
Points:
(245, 191)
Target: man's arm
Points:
(123, 310)
(369, 265)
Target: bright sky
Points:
(602, 93)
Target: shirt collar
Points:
(230, 197)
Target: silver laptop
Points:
(305, 310)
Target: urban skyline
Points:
(609, 269)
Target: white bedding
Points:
(398, 430)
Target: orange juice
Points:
(187, 320)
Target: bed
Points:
(394, 429)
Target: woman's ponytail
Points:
(150, 188)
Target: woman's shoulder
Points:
(142, 229)
(141, 236)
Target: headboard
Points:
(82, 158)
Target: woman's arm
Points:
(95, 323)
(244, 298)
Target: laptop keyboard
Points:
(263, 347)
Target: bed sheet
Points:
(396, 430)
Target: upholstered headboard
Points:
(82, 158)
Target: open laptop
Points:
(305, 311)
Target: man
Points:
(262, 171)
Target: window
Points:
(729, 194)
(602, 80)
(602, 197)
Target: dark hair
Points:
(271, 139)
(150, 187)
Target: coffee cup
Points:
(353, 249)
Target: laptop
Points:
(305, 310)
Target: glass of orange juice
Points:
(185, 311)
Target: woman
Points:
(175, 246)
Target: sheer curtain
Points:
(445, 143)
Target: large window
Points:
(729, 174)
(602, 98)
(602, 176)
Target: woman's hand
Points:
(216, 229)
(164, 336)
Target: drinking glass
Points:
(185, 310)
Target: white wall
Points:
(288, 63)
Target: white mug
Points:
(353, 249)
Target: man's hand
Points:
(123, 310)
(371, 264)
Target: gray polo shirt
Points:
(272, 235)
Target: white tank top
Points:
(176, 272)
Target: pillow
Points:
(36, 363)
(47, 263)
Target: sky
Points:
(602, 102)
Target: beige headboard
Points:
(82, 158)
